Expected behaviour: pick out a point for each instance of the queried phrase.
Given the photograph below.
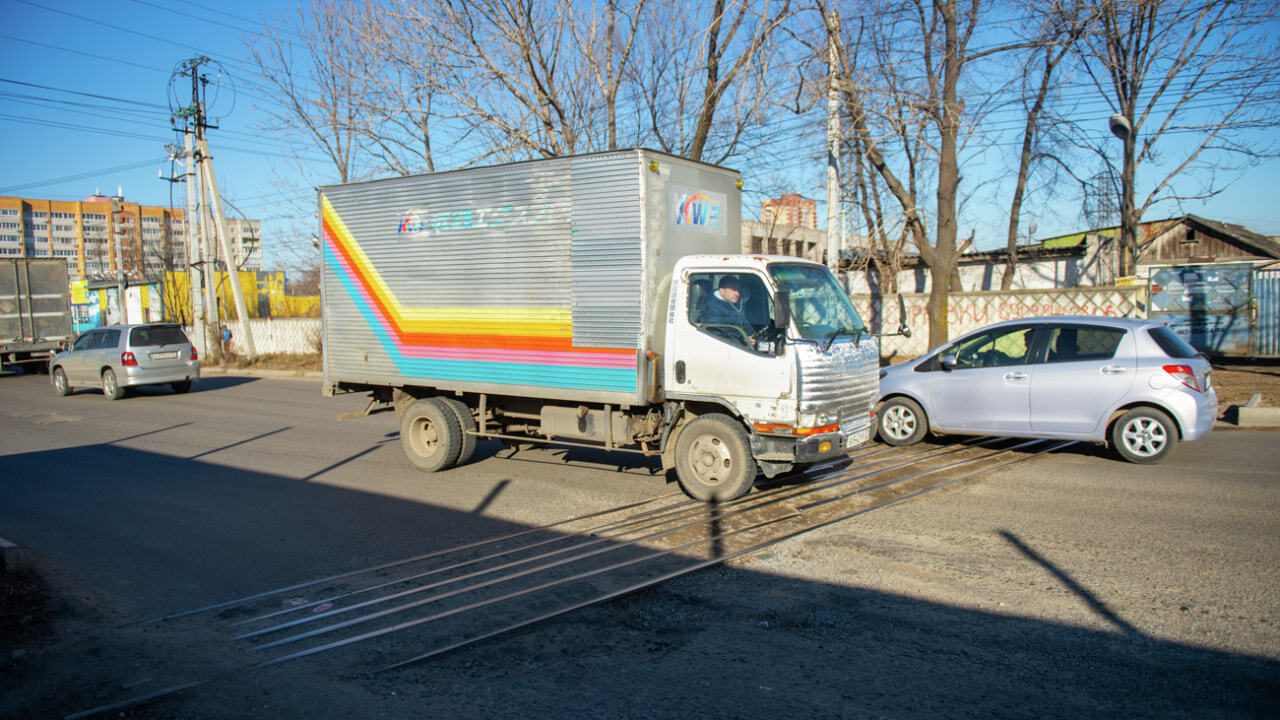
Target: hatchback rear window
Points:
(1171, 344)
(148, 336)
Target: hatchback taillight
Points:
(194, 356)
(1185, 375)
(128, 360)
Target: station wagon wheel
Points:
(1144, 435)
(60, 385)
(430, 434)
(110, 386)
(901, 421)
(713, 459)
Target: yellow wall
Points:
(264, 294)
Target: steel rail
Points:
(509, 596)
(405, 561)
(534, 570)
(651, 582)
(738, 507)
(674, 511)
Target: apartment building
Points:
(100, 234)
(790, 209)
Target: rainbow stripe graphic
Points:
(519, 346)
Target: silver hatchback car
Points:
(121, 356)
(1129, 382)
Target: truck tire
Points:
(111, 389)
(467, 425)
(430, 435)
(713, 459)
(60, 384)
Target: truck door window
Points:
(733, 307)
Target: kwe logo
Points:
(697, 210)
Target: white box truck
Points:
(597, 299)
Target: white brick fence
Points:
(972, 310)
(277, 336)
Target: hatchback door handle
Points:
(1114, 370)
(1015, 376)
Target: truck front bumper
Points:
(781, 448)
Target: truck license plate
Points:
(164, 355)
(857, 439)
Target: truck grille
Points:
(844, 380)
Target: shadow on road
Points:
(140, 534)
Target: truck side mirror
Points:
(782, 309)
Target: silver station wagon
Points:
(1131, 383)
(121, 356)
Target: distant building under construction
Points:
(152, 240)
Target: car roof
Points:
(1125, 322)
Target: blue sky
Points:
(85, 102)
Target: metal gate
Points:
(1266, 313)
(1224, 310)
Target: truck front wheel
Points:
(713, 459)
(430, 435)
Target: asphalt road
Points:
(1073, 585)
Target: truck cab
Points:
(772, 345)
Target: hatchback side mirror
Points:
(948, 362)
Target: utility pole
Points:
(207, 186)
(834, 225)
(120, 279)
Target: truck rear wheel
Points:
(430, 434)
(713, 459)
(467, 425)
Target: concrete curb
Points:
(256, 372)
(1252, 414)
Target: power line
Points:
(82, 176)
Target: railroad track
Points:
(453, 598)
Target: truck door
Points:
(722, 343)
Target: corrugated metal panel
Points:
(1209, 306)
(608, 267)
(466, 279)
(844, 378)
(1266, 293)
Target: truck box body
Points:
(545, 279)
(35, 309)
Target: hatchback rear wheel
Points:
(1144, 435)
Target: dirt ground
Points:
(1235, 381)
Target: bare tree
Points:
(921, 68)
(1062, 27)
(317, 82)
(705, 78)
(1188, 77)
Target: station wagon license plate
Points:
(164, 355)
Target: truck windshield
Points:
(819, 307)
